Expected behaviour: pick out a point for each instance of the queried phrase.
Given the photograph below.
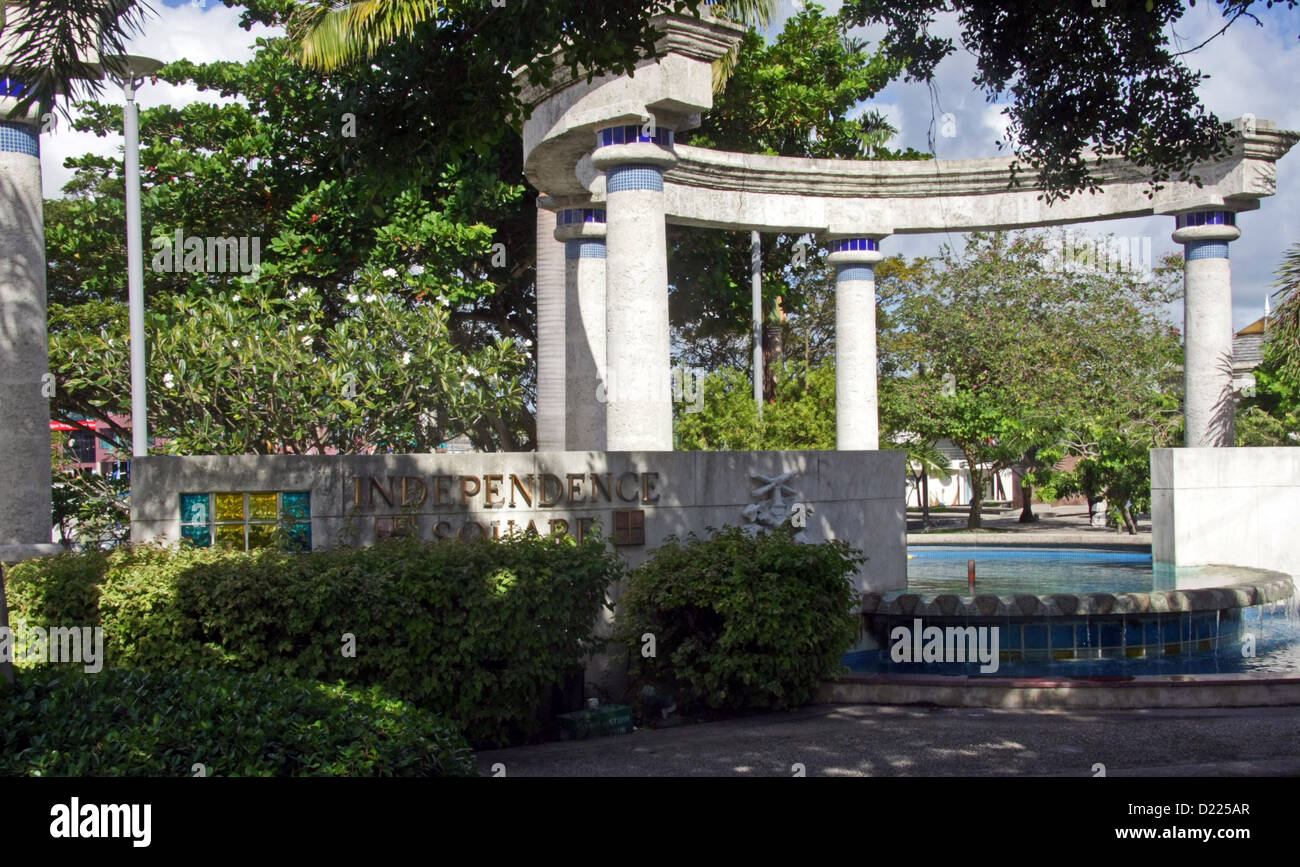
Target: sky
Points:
(1254, 70)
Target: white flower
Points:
(390, 272)
(235, 343)
(352, 298)
(415, 270)
(234, 298)
(306, 341)
(472, 370)
(528, 344)
(169, 381)
(302, 327)
(442, 299)
(370, 299)
(406, 358)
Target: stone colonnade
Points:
(611, 314)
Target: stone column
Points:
(549, 283)
(25, 380)
(857, 421)
(583, 233)
(1207, 326)
(638, 409)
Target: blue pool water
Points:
(932, 571)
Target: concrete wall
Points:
(1231, 506)
(853, 496)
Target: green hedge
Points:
(479, 631)
(160, 724)
(741, 621)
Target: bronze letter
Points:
(465, 493)
(575, 486)
(387, 495)
(478, 528)
(562, 529)
(527, 493)
(492, 488)
(622, 496)
(424, 491)
(597, 486)
(439, 533)
(547, 478)
(647, 485)
(441, 495)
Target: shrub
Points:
(741, 621)
(479, 631)
(136, 723)
(57, 591)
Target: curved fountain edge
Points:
(1266, 586)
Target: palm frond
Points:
(44, 44)
(927, 454)
(332, 35)
(752, 13)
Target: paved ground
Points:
(857, 740)
(1052, 521)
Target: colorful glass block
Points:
(230, 536)
(297, 504)
(261, 536)
(298, 537)
(198, 535)
(195, 509)
(263, 507)
(230, 507)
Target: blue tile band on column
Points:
(634, 177)
(854, 271)
(12, 87)
(1206, 250)
(847, 244)
(1206, 218)
(584, 248)
(19, 138)
(633, 133)
(569, 216)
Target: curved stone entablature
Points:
(611, 143)
(720, 189)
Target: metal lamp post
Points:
(128, 71)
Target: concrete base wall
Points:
(1237, 506)
(853, 496)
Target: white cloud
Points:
(201, 35)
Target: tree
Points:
(803, 416)
(1009, 350)
(280, 171)
(1078, 74)
(252, 373)
(1271, 416)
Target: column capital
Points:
(572, 223)
(1217, 226)
(853, 250)
(634, 144)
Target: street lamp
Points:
(129, 71)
